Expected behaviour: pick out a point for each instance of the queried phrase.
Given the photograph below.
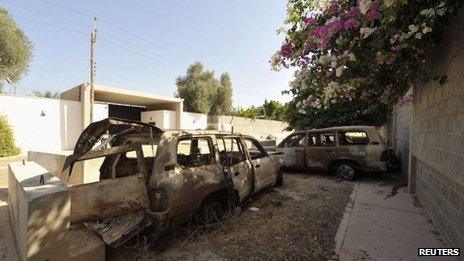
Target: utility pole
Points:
(93, 40)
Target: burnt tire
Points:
(345, 170)
(211, 212)
(280, 178)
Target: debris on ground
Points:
(381, 184)
(254, 209)
(300, 227)
(395, 188)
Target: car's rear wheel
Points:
(211, 211)
(346, 170)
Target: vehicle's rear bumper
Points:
(378, 166)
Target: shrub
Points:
(7, 142)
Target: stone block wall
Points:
(437, 136)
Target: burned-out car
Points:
(168, 176)
(346, 150)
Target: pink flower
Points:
(335, 26)
(310, 20)
(353, 12)
(351, 23)
(373, 13)
(333, 7)
(405, 100)
(391, 60)
(319, 32)
(396, 48)
(286, 50)
(349, 95)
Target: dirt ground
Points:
(297, 221)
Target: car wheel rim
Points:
(346, 172)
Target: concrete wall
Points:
(39, 213)
(258, 128)
(397, 133)
(437, 144)
(41, 123)
(194, 121)
(100, 111)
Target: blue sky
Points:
(145, 45)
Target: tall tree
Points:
(224, 95)
(202, 92)
(15, 50)
(47, 94)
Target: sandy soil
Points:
(297, 221)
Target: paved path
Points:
(378, 228)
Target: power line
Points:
(44, 13)
(50, 24)
(77, 11)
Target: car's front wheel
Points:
(346, 170)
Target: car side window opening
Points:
(195, 152)
(231, 151)
(327, 139)
(314, 139)
(296, 140)
(255, 149)
(353, 138)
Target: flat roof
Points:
(109, 94)
(115, 95)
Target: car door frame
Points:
(241, 172)
(294, 157)
(192, 177)
(320, 156)
(263, 167)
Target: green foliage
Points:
(203, 93)
(271, 110)
(47, 94)
(357, 58)
(7, 143)
(16, 50)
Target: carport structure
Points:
(121, 103)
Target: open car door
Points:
(112, 207)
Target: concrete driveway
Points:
(376, 226)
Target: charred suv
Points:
(169, 176)
(344, 150)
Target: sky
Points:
(144, 45)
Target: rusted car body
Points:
(345, 150)
(171, 176)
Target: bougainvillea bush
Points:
(360, 53)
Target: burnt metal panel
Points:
(107, 198)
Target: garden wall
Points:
(437, 144)
(41, 123)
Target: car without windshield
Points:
(164, 177)
(344, 150)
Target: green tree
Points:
(47, 94)
(16, 50)
(202, 92)
(224, 95)
(7, 142)
(271, 110)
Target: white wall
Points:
(100, 111)
(194, 121)
(154, 117)
(42, 124)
